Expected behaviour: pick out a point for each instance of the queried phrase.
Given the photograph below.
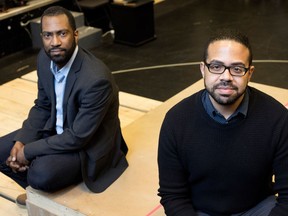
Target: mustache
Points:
(56, 49)
(225, 84)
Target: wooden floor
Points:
(135, 192)
(16, 98)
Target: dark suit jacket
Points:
(91, 123)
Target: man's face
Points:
(225, 89)
(58, 38)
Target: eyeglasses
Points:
(233, 70)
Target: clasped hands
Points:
(17, 161)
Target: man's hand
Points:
(17, 160)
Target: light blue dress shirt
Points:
(60, 77)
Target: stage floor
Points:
(160, 69)
(165, 66)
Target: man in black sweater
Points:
(219, 148)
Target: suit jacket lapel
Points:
(71, 78)
(47, 81)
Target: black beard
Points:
(61, 60)
(228, 100)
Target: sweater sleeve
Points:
(173, 179)
(281, 169)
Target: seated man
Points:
(73, 131)
(219, 148)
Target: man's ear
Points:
(250, 72)
(76, 35)
(202, 68)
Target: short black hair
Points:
(229, 34)
(58, 10)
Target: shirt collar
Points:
(241, 110)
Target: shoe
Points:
(21, 200)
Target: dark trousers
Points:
(47, 172)
(261, 209)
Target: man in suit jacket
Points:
(73, 131)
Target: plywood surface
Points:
(9, 189)
(8, 208)
(135, 192)
(16, 99)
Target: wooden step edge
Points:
(137, 102)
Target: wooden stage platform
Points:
(135, 192)
(16, 98)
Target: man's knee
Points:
(41, 180)
(53, 172)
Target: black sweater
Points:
(223, 169)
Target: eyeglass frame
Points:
(225, 67)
